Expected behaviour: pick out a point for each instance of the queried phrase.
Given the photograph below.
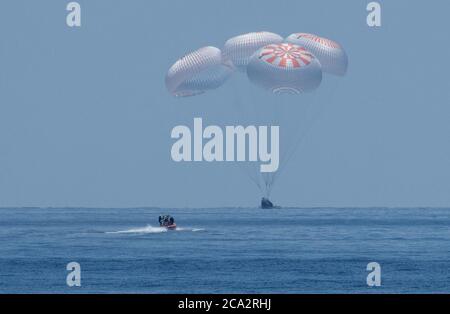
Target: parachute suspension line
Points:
(278, 119)
(264, 114)
(251, 111)
(254, 180)
(238, 104)
(255, 116)
(297, 140)
(281, 114)
(316, 117)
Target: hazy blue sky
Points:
(85, 118)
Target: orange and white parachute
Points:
(331, 55)
(285, 68)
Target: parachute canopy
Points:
(197, 72)
(331, 55)
(240, 49)
(285, 68)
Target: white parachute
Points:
(241, 48)
(197, 72)
(331, 55)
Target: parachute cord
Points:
(301, 138)
(238, 104)
(287, 154)
(251, 178)
(291, 152)
(259, 111)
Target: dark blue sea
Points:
(225, 250)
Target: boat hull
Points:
(171, 227)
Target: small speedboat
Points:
(168, 222)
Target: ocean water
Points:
(225, 250)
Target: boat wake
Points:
(151, 229)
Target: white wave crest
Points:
(151, 229)
(147, 229)
(189, 229)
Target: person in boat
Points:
(166, 220)
(162, 220)
(266, 203)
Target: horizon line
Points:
(225, 207)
